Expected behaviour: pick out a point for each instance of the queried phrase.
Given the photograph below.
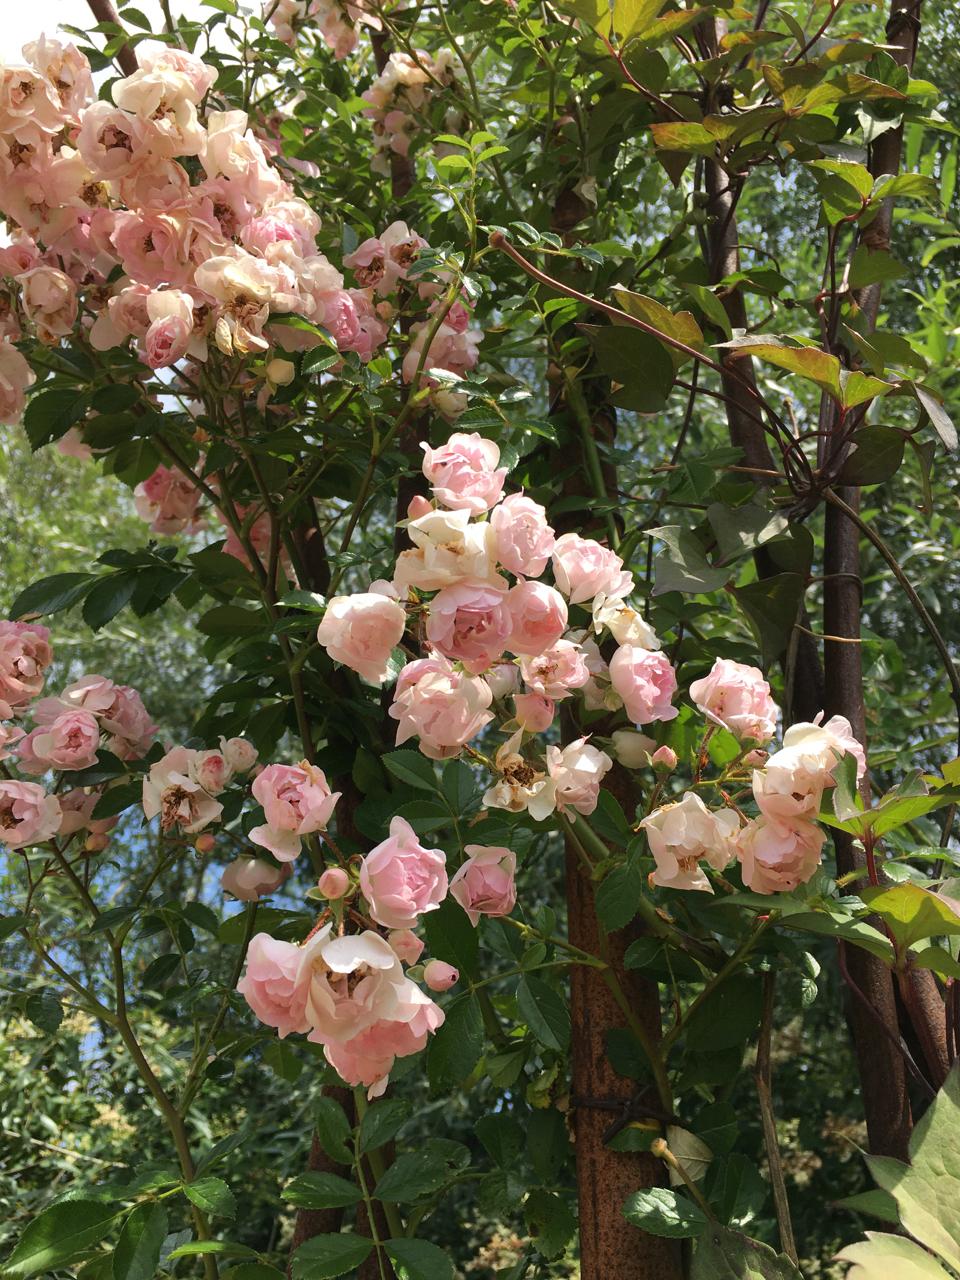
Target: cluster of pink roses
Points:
(496, 650)
(336, 22)
(182, 785)
(349, 992)
(781, 848)
(403, 89)
(89, 714)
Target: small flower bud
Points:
(205, 843)
(334, 883)
(439, 976)
(95, 843)
(632, 749)
(281, 372)
(664, 758)
(419, 506)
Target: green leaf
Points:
(44, 1010)
(59, 1234)
(456, 1047)
(420, 1259)
(9, 925)
(663, 1212)
(771, 605)
(50, 415)
(876, 455)
(212, 1195)
(420, 1173)
(459, 786)
(323, 1257)
(876, 1204)
(806, 362)
(741, 530)
(886, 1257)
(382, 1121)
(451, 937)
(637, 361)
(320, 1190)
(412, 768)
(225, 1248)
(51, 595)
(728, 1018)
(682, 565)
(283, 1060)
(871, 266)
(680, 325)
(333, 1130)
(722, 1254)
(137, 1254)
(551, 1222)
(107, 597)
(940, 420)
(544, 1012)
(618, 897)
(913, 913)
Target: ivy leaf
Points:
(638, 362)
(682, 565)
(771, 605)
(57, 1235)
(326, 1256)
(663, 1212)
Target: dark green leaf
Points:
(412, 768)
(57, 1235)
(456, 1047)
(451, 937)
(420, 1259)
(382, 1121)
(212, 1195)
(318, 1190)
(333, 1130)
(544, 1012)
(45, 1011)
(618, 897)
(137, 1254)
(876, 455)
(50, 595)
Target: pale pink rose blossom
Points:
(401, 880)
(534, 712)
(382, 262)
(273, 986)
(737, 697)
(524, 539)
(93, 693)
(49, 300)
(419, 506)
(440, 976)
(463, 472)
(584, 569)
(171, 790)
(170, 335)
(240, 754)
(334, 883)
(296, 802)
(76, 808)
(555, 672)
(361, 631)
(368, 1058)
(443, 707)
(15, 377)
(65, 69)
(503, 679)
(683, 834)
(125, 316)
(250, 879)
(804, 767)
(70, 742)
(576, 772)
(168, 502)
(9, 735)
(199, 74)
(484, 884)
(624, 623)
(646, 682)
(406, 944)
(538, 617)
(777, 857)
(212, 771)
(470, 624)
(352, 982)
(27, 814)
(73, 445)
(25, 654)
(631, 749)
(447, 549)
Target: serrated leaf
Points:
(57, 1235)
(412, 768)
(212, 1195)
(544, 1012)
(326, 1256)
(420, 1259)
(663, 1212)
(382, 1121)
(137, 1252)
(321, 1190)
(722, 1254)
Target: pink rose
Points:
(534, 712)
(445, 708)
(584, 569)
(776, 857)
(128, 723)
(406, 944)
(240, 754)
(447, 549)
(50, 302)
(645, 681)
(168, 338)
(439, 976)
(469, 624)
(463, 472)
(249, 879)
(362, 631)
(25, 654)
(9, 735)
(76, 808)
(524, 539)
(168, 501)
(69, 743)
(368, 1058)
(296, 802)
(171, 790)
(484, 885)
(664, 758)
(15, 376)
(401, 880)
(795, 777)
(211, 770)
(352, 982)
(334, 883)
(538, 617)
(27, 814)
(738, 698)
(556, 671)
(503, 679)
(576, 772)
(682, 834)
(272, 984)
